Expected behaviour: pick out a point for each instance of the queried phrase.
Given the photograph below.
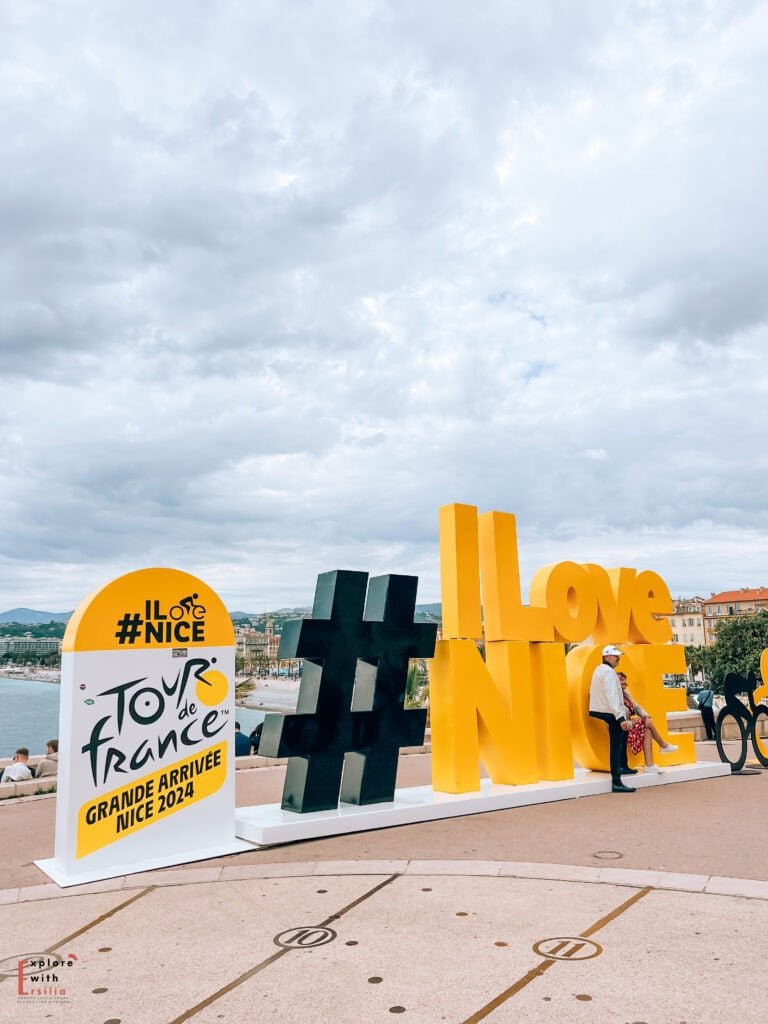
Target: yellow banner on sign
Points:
(143, 802)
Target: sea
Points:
(29, 715)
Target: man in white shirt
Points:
(606, 702)
(18, 770)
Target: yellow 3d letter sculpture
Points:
(523, 711)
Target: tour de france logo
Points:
(182, 623)
(140, 720)
(136, 726)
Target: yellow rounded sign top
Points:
(150, 608)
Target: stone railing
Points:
(32, 787)
(46, 785)
(254, 761)
(677, 721)
(690, 721)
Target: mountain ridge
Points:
(32, 617)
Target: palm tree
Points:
(416, 689)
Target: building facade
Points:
(33, 646)
(723, 606)
(687, 622)
(253, 645)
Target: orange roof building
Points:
(731, 602)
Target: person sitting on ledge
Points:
(49, 765)
(19, 770)
(607, 704)
(255, 738)
(641, 734)
(242, 743)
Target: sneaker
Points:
(653, 769)
(669, 748)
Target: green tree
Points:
(243, 689)
(737, 648)
(699, 660)
(36, 630)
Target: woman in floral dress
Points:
(643, 731)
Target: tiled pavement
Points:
(453, 933)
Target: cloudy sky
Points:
(281, 278)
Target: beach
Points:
(29, 711)
(273, 694)
(34, 675)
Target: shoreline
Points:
(286, 690)
(272, 695)
(32, 675)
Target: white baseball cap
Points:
(611, 650)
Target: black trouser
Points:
(624, 751)
(618, 742)
(708, 718)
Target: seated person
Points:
(242, 743)
(255, 737)
(49, 765)
(642, 731)
(19, 770)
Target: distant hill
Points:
(29, 617)
(424, 613)
(428, 613)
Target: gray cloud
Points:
(280, 281)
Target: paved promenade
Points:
(609, 910)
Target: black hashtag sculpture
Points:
(350, 717)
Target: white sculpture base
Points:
(268, 824)
(58, 872)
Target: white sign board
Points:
(146, 730)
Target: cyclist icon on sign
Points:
(186, 608)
